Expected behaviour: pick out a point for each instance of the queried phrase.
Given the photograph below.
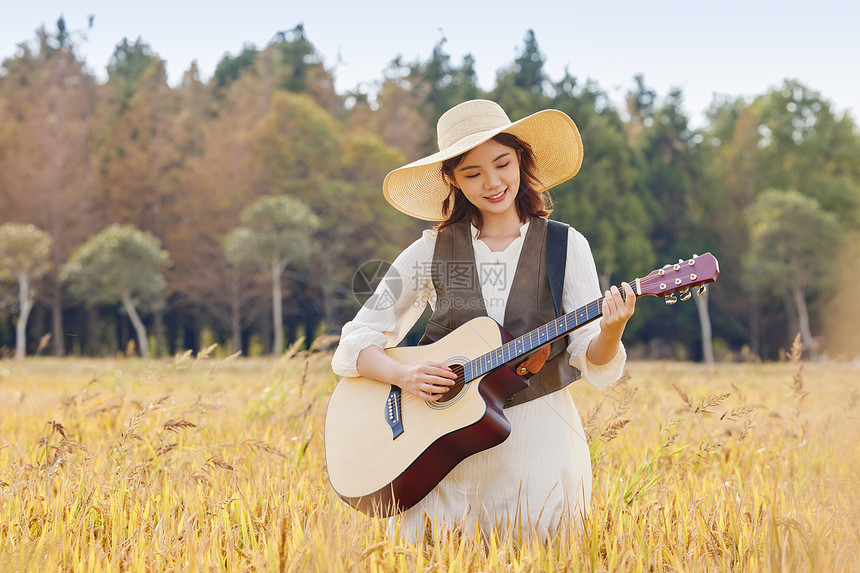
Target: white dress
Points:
(539, 478)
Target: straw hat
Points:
(419, 188)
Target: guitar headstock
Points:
(681, 276)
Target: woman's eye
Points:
(504, 165)
(472, 176)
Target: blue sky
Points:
(739, 48)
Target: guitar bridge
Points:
(393, 411)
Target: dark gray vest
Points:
(530, 303)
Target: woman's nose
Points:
(492, 180)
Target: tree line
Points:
(236, 210)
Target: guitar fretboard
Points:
(535, 339)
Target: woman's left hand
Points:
(617, 309)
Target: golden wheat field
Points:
(206, 463)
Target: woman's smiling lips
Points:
(497, 197)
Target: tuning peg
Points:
(685, 294)
(701, 290)
(670, 299)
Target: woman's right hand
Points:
(427, 380)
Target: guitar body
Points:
(380, 466)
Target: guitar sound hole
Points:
(458, 386)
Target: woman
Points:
(486, 187)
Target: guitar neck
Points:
(662, 282)
(536, 338)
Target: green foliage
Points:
(528, 66)
(523, 85)
(671, 174)
(275, 231)
(299, 58)
(804, 146)
(130, 60)
(437, 84)
(228, 69)
(127, 64)
(641, 100)
(296, 143)
(119, 261)
(24, 249)
(62, 33)
(793, 242)
(128, 67)
(448, 84)
(602, 200)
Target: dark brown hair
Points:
(528, 202)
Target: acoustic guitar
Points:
(385, 450)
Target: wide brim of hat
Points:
(419, 188)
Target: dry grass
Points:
(201, 463)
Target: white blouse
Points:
(407, 288)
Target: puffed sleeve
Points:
(394, 308)
(580, 288)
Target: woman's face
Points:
(489, 177)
